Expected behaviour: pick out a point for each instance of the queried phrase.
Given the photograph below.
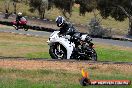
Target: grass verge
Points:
(15, 78)
(108, 52)
(15, 45)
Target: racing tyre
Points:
(25, 27)
(93, 55)
(57, 51)
(16, 28)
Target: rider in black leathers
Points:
(18, 18)
(66, 28)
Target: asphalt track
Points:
(43, 33)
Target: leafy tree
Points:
(65, 6)
(86, 6)
(39, 5)
(50, 4)
(7, 8)
(26, 1)
(15, 5)
(7, 4)
(117, 9)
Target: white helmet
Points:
(19, 13)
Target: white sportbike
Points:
(78, 46)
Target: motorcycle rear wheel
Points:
(93, 55)
(25, 27)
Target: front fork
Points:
(59, 48)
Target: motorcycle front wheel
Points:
(16, 28)
(57, 51)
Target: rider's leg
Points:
(17, 24)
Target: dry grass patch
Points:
(72, 67)
(20, 45)
(109, 69)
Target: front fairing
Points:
(54, 38)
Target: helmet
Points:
(60, 20)
(19, 13)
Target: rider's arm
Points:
(71, 30)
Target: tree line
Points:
(117, 9)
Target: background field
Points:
(119, 28)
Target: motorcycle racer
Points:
(20, 22)
(76, 46)
(18, 18)
(66, 28)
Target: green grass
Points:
(105, 54)
(15, 78)
(14, 45)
